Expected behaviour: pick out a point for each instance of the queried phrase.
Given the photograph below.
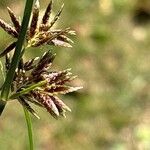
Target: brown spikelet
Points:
(48, 11)
(10, 30)
(44, 63)
(8, 49)
(57, 16)
(47, 102)
(34, 20)
(28, 107)
(59, 103)
(50, 106)
(30, 64)
(14, 20)
(57, 77)
(55, 35)
(57, 42)
(65, 39)
(53, 40)
(32, 100)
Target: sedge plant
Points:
(34, 81)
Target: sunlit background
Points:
(111, 56)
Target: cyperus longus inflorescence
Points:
(34, 81)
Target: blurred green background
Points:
(111, 56)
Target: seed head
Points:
(35, 71)
(40, 33)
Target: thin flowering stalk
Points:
(29, 126)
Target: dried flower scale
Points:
(34, 81)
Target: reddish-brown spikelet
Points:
(14, 20)
(61, 106)
(47, 102)
(8, 49)
(34, 20)
(27, 106)
(47, 13)
(56, 16)
(44, 63)
(10, 30)
(30, 64)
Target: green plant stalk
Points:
(2, 106)
(29, 126)
(27, 90)
(16, 57)
(2, 103)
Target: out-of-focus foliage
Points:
(112, 58)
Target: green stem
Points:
(27, 90)
(29, 126)
(18, 50)
(2, 106)
(2, 103)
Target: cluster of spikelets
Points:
(40, 32)
(50, 84)
(34, 81)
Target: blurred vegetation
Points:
(112, 58)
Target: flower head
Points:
(39, 32)
(46, 94)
